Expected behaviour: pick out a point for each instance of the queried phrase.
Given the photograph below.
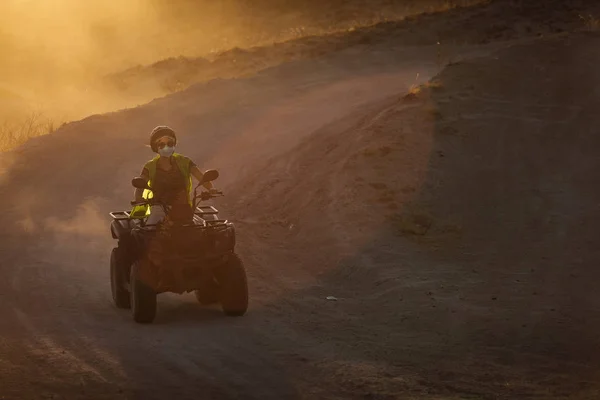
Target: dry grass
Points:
(17, 132)
(413, 92)
(414, 89)
(434, 85)
(417, 90)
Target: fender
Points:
(120, 229)
(232, 237)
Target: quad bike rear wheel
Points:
(233, 286)
(143, 297)
(118, 268)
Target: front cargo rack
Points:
(120, 215)
(206, 210)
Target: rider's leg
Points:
(157, 213)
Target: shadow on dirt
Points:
(189, 312)
(504, 303)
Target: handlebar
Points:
(202, 196)
(208, 195)
(145, 202)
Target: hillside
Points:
(248, 38)
(449, 29)
(455, 225)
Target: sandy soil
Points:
(454, 226)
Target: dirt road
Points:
(455, 227)
(60, 335)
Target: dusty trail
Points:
(456, 227)
(60, 335)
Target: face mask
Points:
(166, 151)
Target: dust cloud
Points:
(54, 53)
(81, 236)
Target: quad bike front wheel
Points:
(118, 268)
(233, 286)
(143, 297)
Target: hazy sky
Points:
(38, 37)
(86, 36)
(52, 48)
(56, 48)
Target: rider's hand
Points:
(133, 202)
(213, 191)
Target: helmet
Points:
(158, 132)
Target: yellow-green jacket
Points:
(184, 164)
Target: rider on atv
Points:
(169, 174)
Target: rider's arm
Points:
(138, 192)
(198, 175)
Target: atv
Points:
(194, 256)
